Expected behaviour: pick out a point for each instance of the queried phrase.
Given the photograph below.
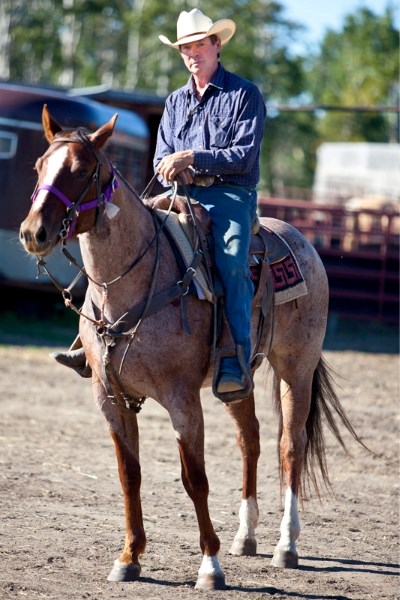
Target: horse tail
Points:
(325, 407)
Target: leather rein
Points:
(127, 325)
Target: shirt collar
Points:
(217, 80)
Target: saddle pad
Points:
(174, 226)
(288, 280)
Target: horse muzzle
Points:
(37, 238)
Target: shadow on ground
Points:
(362, 336)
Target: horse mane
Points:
(76, 135)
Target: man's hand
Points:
(176, 166)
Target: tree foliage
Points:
(78, 43)
(88, 42)
(358, 66)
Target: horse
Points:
(128, 259)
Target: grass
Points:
(42, 319)
(55, 328)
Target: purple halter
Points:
(76, 207)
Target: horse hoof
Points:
(209, 583)
(244, 547)
(285, 559)
(124, 572)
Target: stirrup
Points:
(237, 395)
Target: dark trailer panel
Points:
(22, 142)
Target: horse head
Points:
(74, 179)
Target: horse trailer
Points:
(22, 142)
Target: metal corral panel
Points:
(359, 249)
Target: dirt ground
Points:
(62, 522)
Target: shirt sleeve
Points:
(164, 145)
(243, 150)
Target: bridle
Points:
(133, 318)
(74, 208)
(77, 206)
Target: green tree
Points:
(117, 43)
(77, 43)
(289, 152)
(358, 66)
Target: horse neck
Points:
(113, 245)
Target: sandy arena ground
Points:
(62, 512)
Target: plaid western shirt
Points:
(224, 129)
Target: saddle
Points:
(266, 246)
(189, 228)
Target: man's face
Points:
(201, 57)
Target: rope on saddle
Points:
(204, 251)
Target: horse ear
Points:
(50, 125)
(100, 137)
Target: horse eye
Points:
(82, 174)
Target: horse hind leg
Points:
(248, 440)
(285, 553)
(295, 405)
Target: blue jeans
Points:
(232, 210)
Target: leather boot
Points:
(230, 383)
(74, 359)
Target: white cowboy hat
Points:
(193, 26)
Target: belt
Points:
(207, 180)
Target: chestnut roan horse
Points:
(79, 192)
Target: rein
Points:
(76, 207)
(134, 317)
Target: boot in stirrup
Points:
(75, 359)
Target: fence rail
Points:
(360, 251)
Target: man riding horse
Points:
(209, 140)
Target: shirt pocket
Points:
(185, 136)
(221, 131)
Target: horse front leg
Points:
(127, 566)
(125, 434)
(248, 440)
(295, 405)
(188, 424)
